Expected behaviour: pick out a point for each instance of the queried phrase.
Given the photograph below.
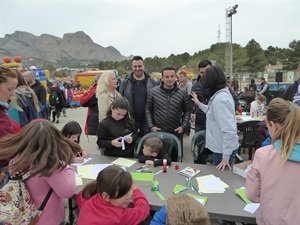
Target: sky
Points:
(156, 28)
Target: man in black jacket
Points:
(168, 107)
(135, 88)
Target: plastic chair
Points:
(198, 148)
(170, 142)
(248, 130)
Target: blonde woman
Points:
(106, 92)
(274, 179)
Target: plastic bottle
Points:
(164, 165)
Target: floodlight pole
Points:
(229, 13)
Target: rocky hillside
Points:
(73, 47)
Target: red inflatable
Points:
(18, 59)
(6, 59)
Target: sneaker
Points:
(57, 121)
(65, 115)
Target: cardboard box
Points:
(240, 168)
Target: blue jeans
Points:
(142, 127)
(70, 101)
(217, 158)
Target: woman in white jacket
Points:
(221, 129)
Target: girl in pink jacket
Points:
(274, 177)
(41, 149)
(105, 200)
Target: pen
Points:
(142, 171)
(200, 193)
(158, 172)
(141, 167)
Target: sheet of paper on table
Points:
(124, 162)
(211, 184)
(78, 179)
(85, 160)
(252, 207)
(85, 171)
(142, 176)
(199, 198)
(99, 167)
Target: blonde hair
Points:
(103, 82)
(5, 73)
(183, 209)
(261, 98)
(156, 145)
(287, 114)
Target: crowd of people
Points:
(120, 117)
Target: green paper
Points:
(154, 186)
(179, 188)
(160, 196)
(203, 198)
(142, 176)
(242, 193)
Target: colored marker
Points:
(184, 189)
(141, 167)
(200, 193)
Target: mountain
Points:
(73, 48)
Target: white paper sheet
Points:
(252, 207)
(85, 160)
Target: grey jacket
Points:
(221, 127)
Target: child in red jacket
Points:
(105, 201)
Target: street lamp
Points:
(229, 13)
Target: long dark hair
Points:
(214, 79)
(113, 180)
(122, 103)
(72, 128)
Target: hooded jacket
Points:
(275, 186)
(24, 100)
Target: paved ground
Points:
(89, 143)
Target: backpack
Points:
(16, 204)
(53, 98)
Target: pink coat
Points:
(63, 185)
(275, 187)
